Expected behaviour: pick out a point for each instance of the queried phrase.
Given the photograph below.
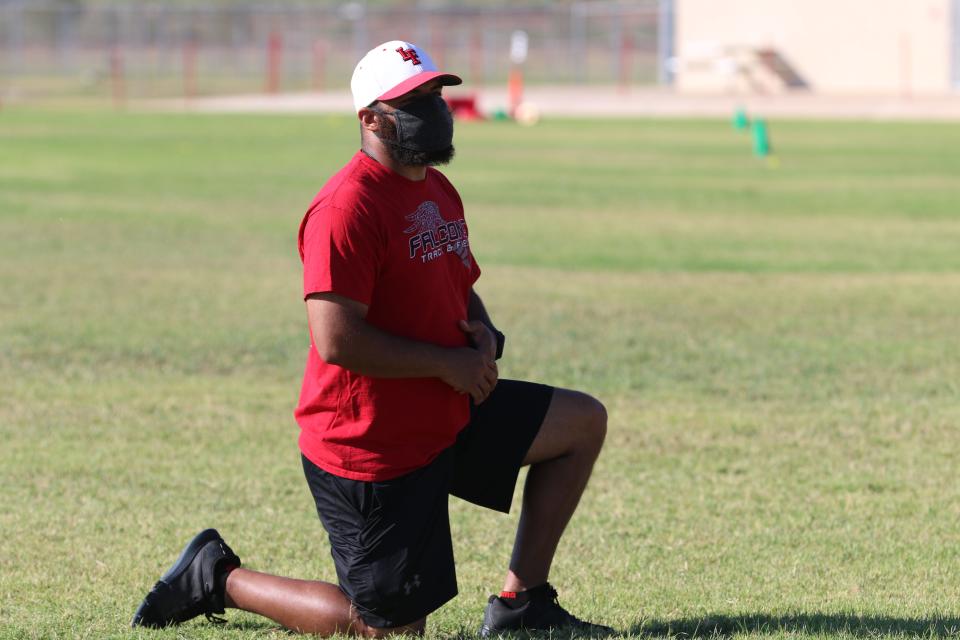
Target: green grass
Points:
(777, 348)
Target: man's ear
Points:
(368, 119)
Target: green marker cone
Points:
(740, 119)
(761, 139)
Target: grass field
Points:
(777, 347)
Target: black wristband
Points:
(501, 339)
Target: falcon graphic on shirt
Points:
(426, 218)
(432, 236)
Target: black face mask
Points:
(423, 125)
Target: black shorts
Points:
(390, 540)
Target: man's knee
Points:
(591, 422)
(596, 422)
(361, 628)
(412, 629)
(576, 424)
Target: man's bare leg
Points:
(303, 606)
(561, 459)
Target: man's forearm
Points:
(364, 349)
(342, 336)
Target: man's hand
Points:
(470, 371)
(480, 337)
(342, 337)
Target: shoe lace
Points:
(568, 617)
(552, 594)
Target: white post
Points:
(665, 41)
(955, 44)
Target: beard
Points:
(410, 157)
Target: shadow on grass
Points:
(720, 627)
(256, 624)
(799, 624)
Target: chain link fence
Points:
(144, 50)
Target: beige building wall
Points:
(838, 46)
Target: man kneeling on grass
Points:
(401, 404)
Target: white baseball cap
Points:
(392, 69)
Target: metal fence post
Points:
(665, 41)
(955, 44)
(578, 41)
(16, 18)
(616, 47)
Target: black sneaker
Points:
(541, 612)
(192, 586)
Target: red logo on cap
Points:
(409, 55)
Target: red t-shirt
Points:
(400, 247)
